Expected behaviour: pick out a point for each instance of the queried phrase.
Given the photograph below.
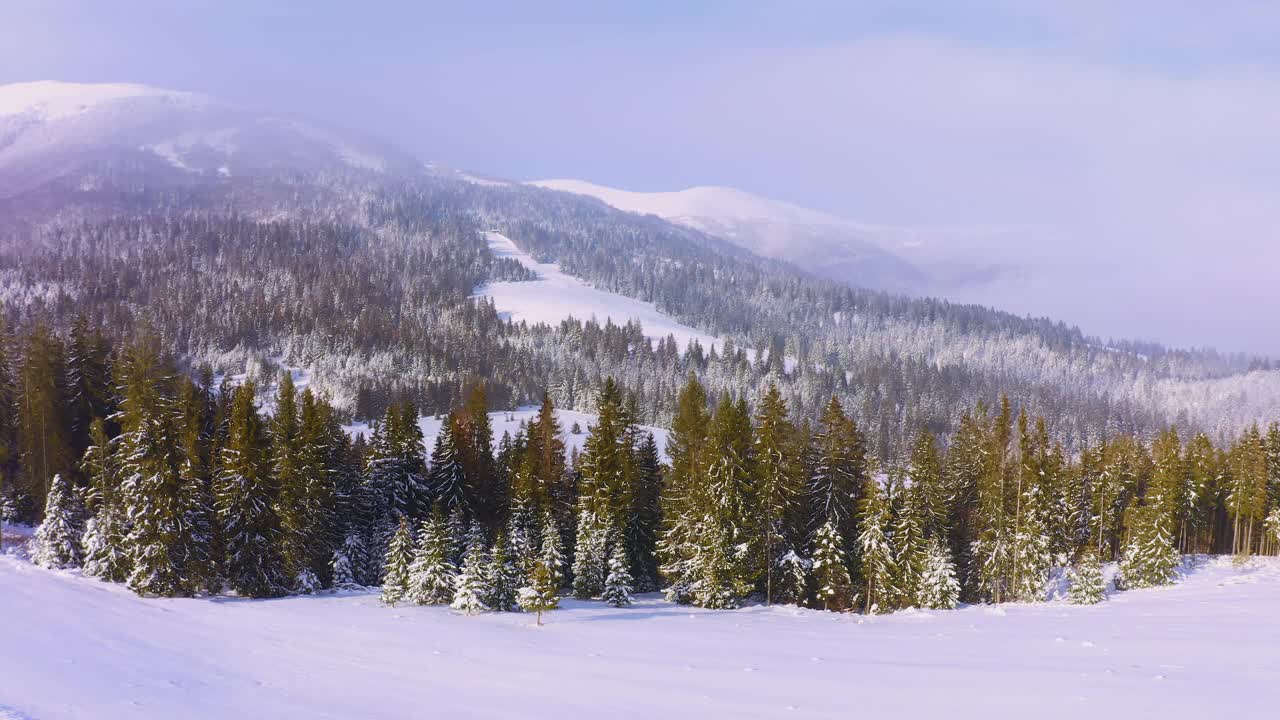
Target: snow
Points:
(508, 421)
(51, 100)
(81, 648)
(555, 296)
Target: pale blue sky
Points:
(1138, 136)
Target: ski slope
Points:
(79, 648)
(555, 296)
(509, 421)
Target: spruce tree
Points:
(831, 575)
(1085, 577)
(552, 554)
(793, 577)
(618, 585)
(505, 577)
(540, 594)
(432, 575)
(1150, 558)
(910, 549)
(469, 588)
(291, 485)
(778, 483)
(839, 472)
(244, 496)
(447, 478)
(875, 552)
(349, 556)
(589, 557)
(678, 546)
(105, 552)
(395, 574)
(57, 540)
(938, 589)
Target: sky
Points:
(1133, 144)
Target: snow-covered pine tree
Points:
(447, 478)
(432, 575)
(505, 577)
(677, 546)
(57, 540)
(242, 491)
(875, 552)
(540, 594)
(395, 574)
(590, 561)
(793, 578)
(939, 589)
(105, 556)
(720, 584)
(470, 587)
(1085, 577)
(910, 549)
(1149, 558)
(552, 554)
(779, 483)
(617, 586)
(349, 556)
(830, 574)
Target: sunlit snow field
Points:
(79, 648)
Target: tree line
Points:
(179, 485)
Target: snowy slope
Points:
(889, 257)
(509, 421)
(79, 648)
(555, 296)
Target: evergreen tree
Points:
(540, 594)
(542, 462)
(486, 496)
(346, 559)
(839, 471)
(831, 575)
(617, 586)
(910, 548)
(1150, 558)
(793, 577)
(105, 552)
(1085, 577)
(504, 577)
(678, 546)
(57, 540)
(244, 497)
(291, 485)
(778, 483)
(644, 520)
(875, 552)
(395, 575)
(470, 588)
(432, 576)
(552, 554)
(44, 442)
(590, 558)
(447, 478)
(939, 589)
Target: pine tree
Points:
(540, 594)
(720, 584)
(830, 573)
(617, 586)
(57, 540)
(875, 552)
(778, 483)
(447, 478)
(939, 589)
(542, 462)
(432, 575)
(1150, 558)
(150, 474)
(504, 577)
(44, 445)
(793, 577)
(291, 486)
(196, 547)
(244, 496)
(552, 554)
(105, 553)
(910, 549)
(1086, 582)
(346, 559)
(589, 558)
(678, 546)
(395, 574)
(470, 588)
(839, 472)
(643, 523)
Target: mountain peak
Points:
(54, 99)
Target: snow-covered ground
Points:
(79, 648)
(555, 296)
(508, 421)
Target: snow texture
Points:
(82, 648)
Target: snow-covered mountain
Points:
(917, 260)
(57, 131)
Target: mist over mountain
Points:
(252, 240)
